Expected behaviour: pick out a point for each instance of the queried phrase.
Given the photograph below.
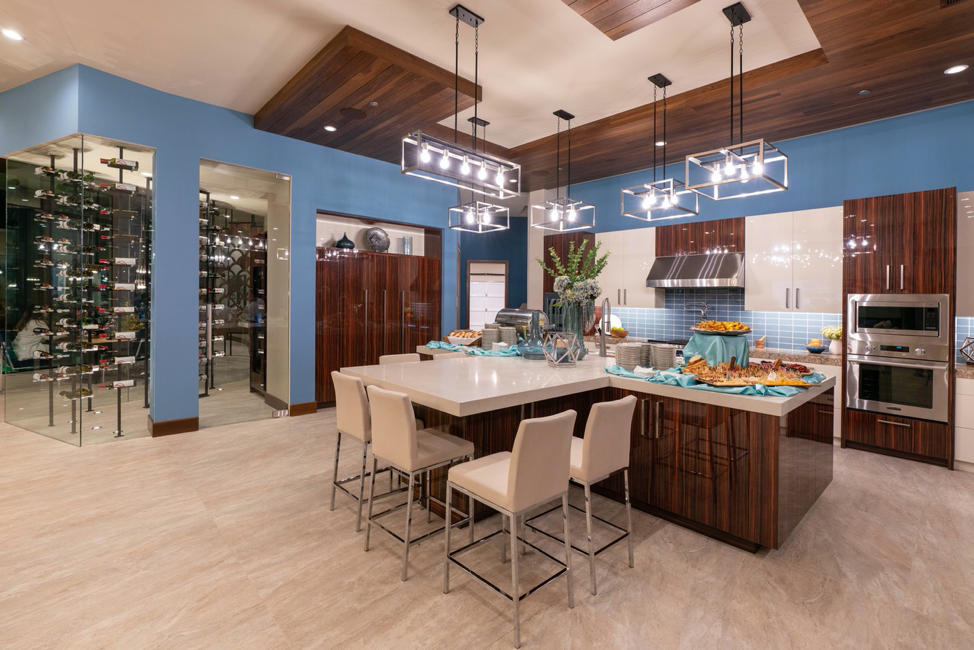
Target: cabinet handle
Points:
(787, 298)
(618, 296)
(642, 419)
(887, 277)
(659, 421)
(402, 320)
(901, 277)
(625, 296)
(798, 298)
(826, 412)
(897, 424)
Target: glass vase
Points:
(579, 317)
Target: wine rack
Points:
(233, 282)
(79, 288)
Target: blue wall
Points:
(183, 131)
(922, 151)
(44, 109)
(510, 245)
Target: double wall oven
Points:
(899, 354)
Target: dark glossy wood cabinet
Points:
(371, 304)
(700, 237)
(901, 244)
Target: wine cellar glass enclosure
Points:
(78, 242)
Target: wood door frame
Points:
(507, 283)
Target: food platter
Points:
(729, 375)
(720, 332)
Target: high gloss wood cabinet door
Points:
(420, 286)
(929, 253)
(768, 255)
(816, 268)
(965, 254)
(866, 254)
(328, 322)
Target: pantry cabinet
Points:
(965, 254)
(631, 256)
(794, 261)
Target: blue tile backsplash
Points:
(784, 330)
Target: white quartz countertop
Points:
(471, 385)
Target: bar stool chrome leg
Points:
(409, 522)
(429, 489)
(588, 530)
(628, 515)
(568, 552)
(516, 593)
(334, 476)
(361, 488)
(368, 523)
(446, 556)
(504, 540)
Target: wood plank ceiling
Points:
(338, 86)
(896, 50)
(618, 18)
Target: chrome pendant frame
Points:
(739, 170)
(563, 214)
(503, 177)
(634, 205)
(479, 217)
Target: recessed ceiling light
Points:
(954, 69)
(12, 34)
(660, 143)
(331, 128)
(234, 198)
(864, 91)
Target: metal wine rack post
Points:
(145, 253)
(50, 328)
(206, 311)
(78, 356)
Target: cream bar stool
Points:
(352, 415)
(602, 452)
(448, 355)
(513, 483)
(413, 452)
(409, 357)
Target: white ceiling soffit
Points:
(537, 56)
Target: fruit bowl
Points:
(816, 349)
(619, 333)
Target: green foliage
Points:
(832, 332)
(581, 265)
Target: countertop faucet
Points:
(606, 319)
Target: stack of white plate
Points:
(629, 355)
(508, 335)
(646, 356)
(664, 356)
(491, 326)
(491, 335)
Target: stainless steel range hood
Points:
(700, 271)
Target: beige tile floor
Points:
(223, 538)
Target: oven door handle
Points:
(918, 366)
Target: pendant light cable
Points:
(456, 82)
(664, 133)
(568, 185)
(740, 85)
(558, 160)
(732, 83)
(655, 140)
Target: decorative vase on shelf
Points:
(579, 317)
(835, 346)
(345, 243)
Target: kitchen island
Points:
(742, 469)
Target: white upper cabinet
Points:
(794, 261)
(767, 273)
(965, 254)
(817, 260)
(612, 278)
(639, 254)
(623, 280)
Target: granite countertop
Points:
(796, 356)
(478, 384)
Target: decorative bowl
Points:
(619, 334)
(817, 349)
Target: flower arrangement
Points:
(832, 332)
(575, 279)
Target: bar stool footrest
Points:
(584, 551)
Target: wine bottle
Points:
(64, 199)
(40, 354)
(44, 216)
(39, 376)
(68, 346)
(44, 239)
(120, 383)
(214, 291)
(117, 187)
(44, 194)
(67, 322)
(116, 286)
(123, 309)
(45, 171)
(76, 177)
(80, 393)
(121, 163)
(43, 263)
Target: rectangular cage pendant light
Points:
(479, 217)
(442, 161)
(563, 215)
(659, 200)
(740, 170)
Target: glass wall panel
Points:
(76, 288)
(244, 293)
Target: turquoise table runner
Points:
(472, 350)
(673, 377)
(717, 349)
